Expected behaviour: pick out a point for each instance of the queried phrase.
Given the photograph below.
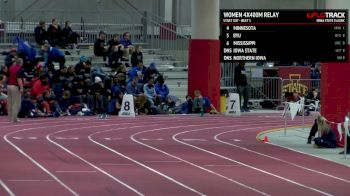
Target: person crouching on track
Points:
(328, 138)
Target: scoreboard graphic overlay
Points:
(284, 35)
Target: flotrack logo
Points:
(322, 15)
(315, 15)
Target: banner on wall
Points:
(295, 79)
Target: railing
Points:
(151, 30)
(169, 37)
(267, 89)
(97, 16)
(227, 74)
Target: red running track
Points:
(159, 155)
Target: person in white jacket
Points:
(150, 92)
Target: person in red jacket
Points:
(39, 89)
(15, 89)
(40, 86)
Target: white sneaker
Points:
(16, 121)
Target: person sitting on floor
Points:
(138, 71)
(162, 89)
(186, 107)
(115, 105)
(150, 92)
(198, 102)
(98, 101)
(28, 107)
(328, 138)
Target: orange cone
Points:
(266, 139)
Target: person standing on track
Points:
(15, 89)
(347, 137)
(241, 82)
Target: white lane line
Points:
(232, 165)
(216, 137)
(236, 140)
(141, 164)
(243, 164)
(116, 164)
(269, 116)
(29, 180)
(194, 139)
(32, 138)
(7, 189)
(18, 138)
(163, 161)
(75, 171)
(108, 138)
(6, 138)
(193, 164)
(48, 137)
(150, 139)
(67, 138)
(34, 122)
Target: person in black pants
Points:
(40, 33)
(70, 38)
(54, 33)
(348, 147)
(241, 82)
(100, 48)
(328, 138)
(313, 132)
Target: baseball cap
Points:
(98, 79)
(83, 59)
(152, 65)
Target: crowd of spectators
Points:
(56, 36)
(53, 88)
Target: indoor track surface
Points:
(159, 155)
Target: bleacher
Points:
(174, 71)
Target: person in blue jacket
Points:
(202, 103)
(161, 89)
(53, 54)
(138, 71)
(128, 46)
